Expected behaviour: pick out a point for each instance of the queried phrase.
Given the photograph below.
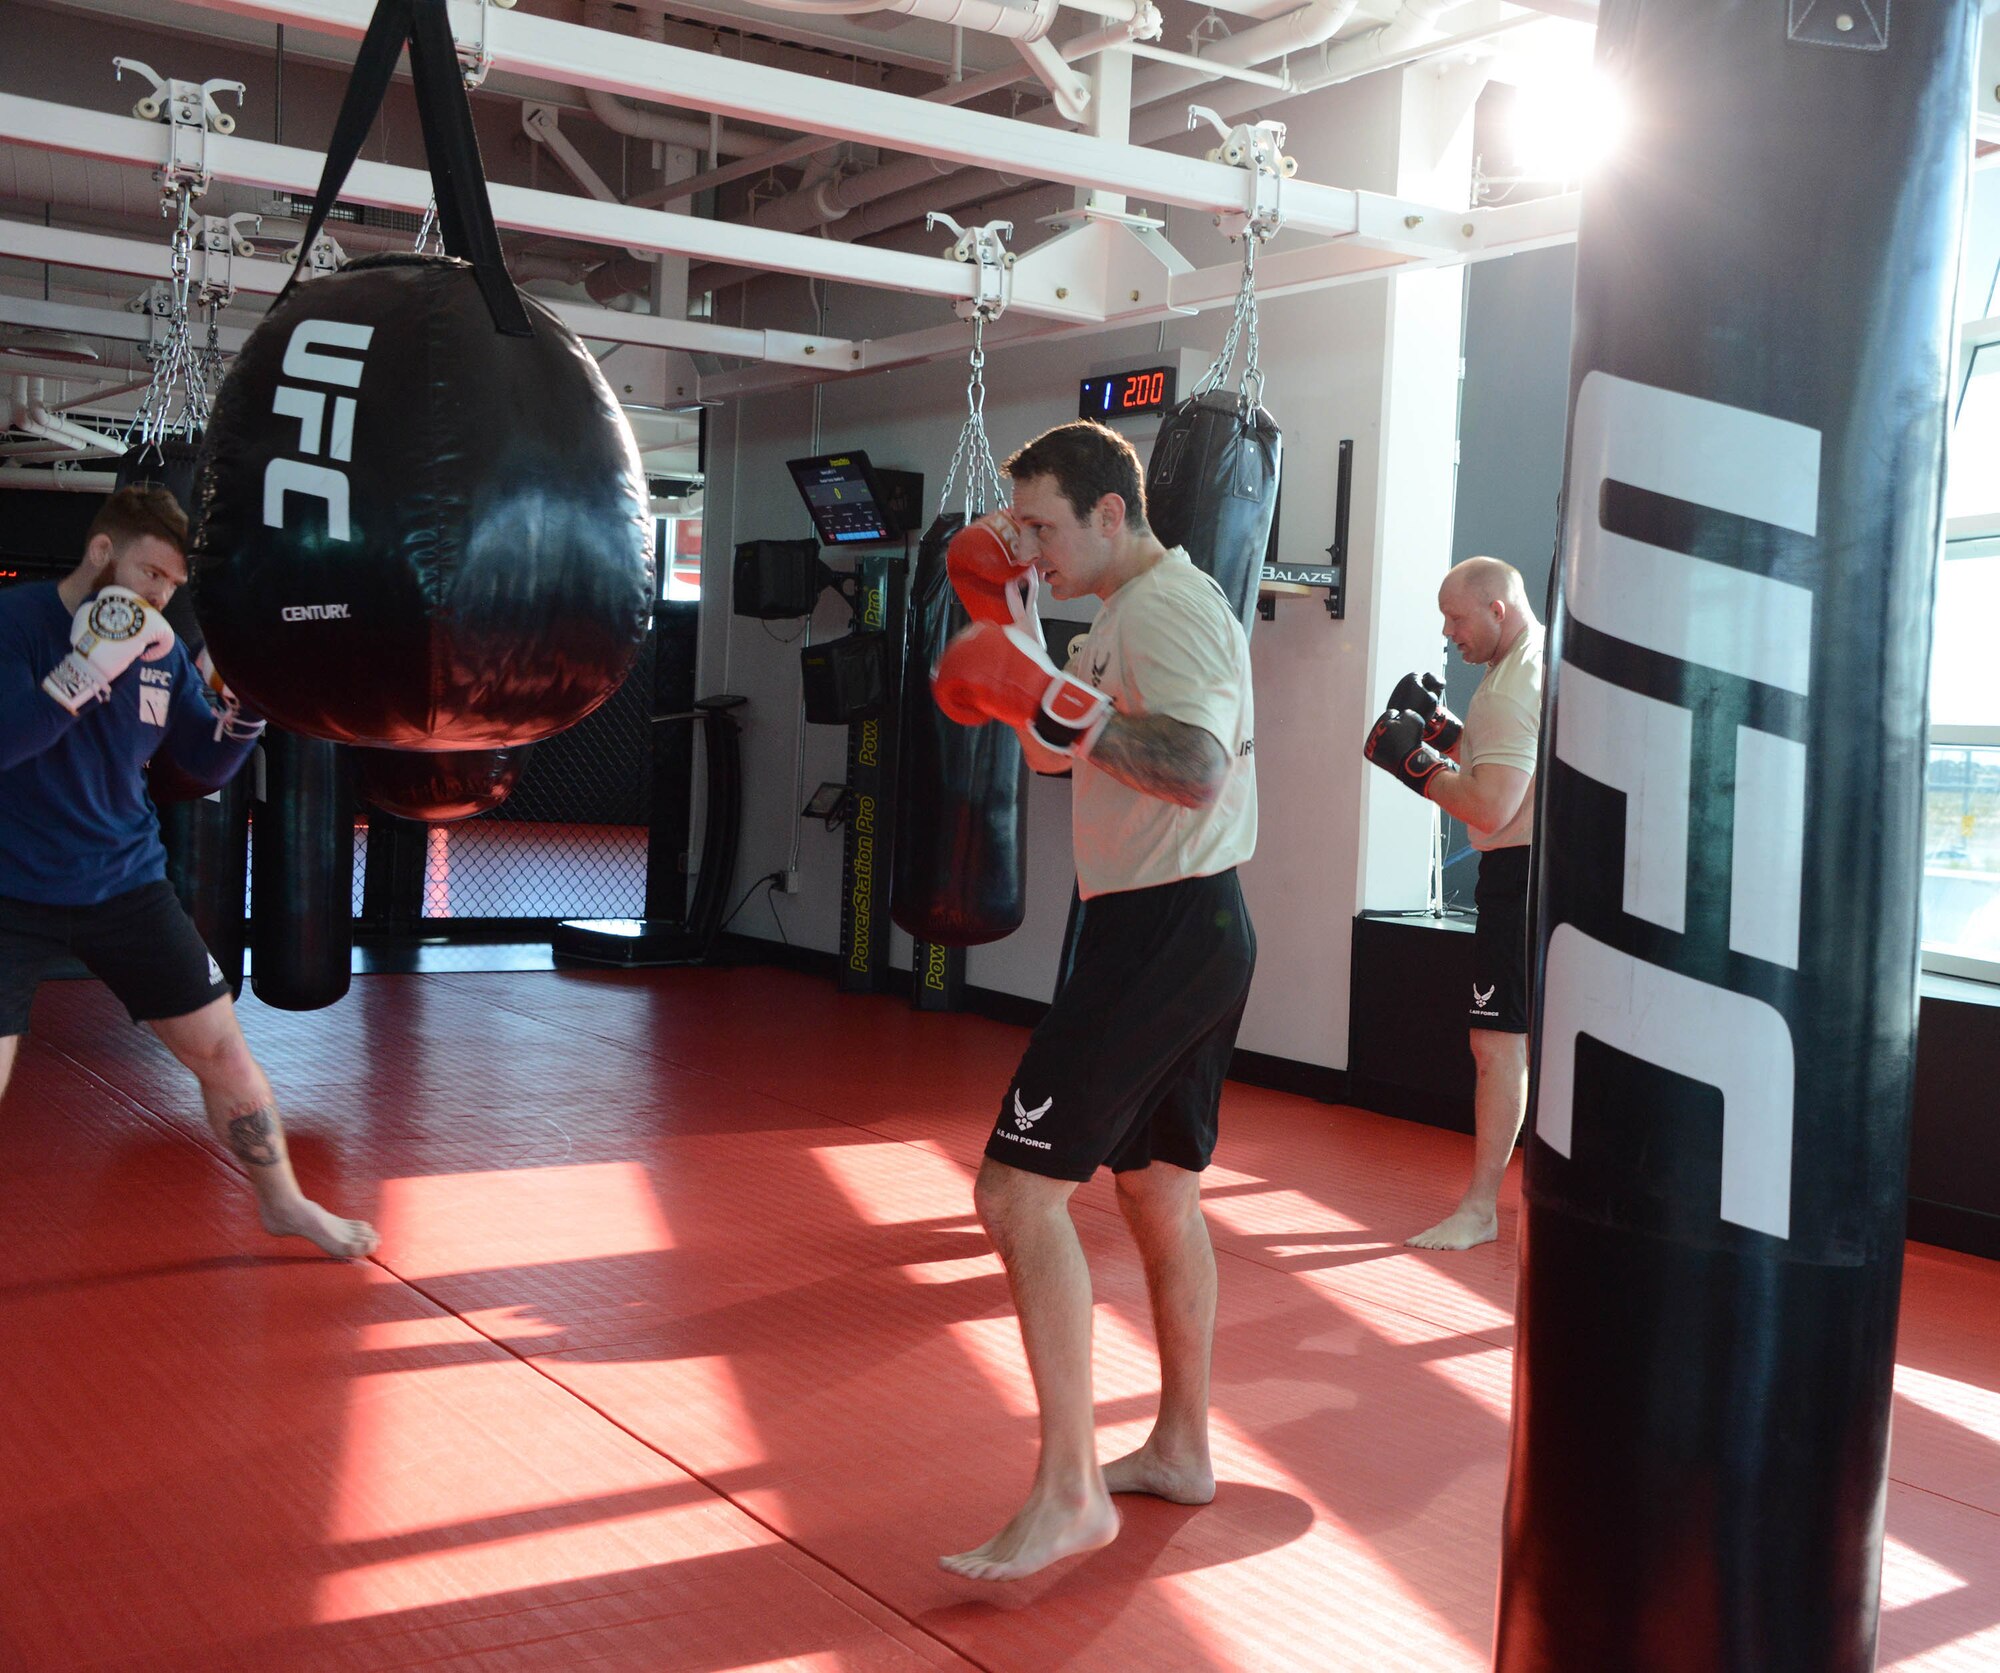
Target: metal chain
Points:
(975, 452)
(1243, 324)
(179, 396)
(430, 235)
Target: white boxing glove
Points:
(107, 635)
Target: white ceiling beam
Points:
(126, 139)
(651, 70)
(102, 253)
(1504, 231)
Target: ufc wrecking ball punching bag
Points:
(1729, 841)
(961, 857)
(424, 519)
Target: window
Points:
(677, 554)
(1961, 900)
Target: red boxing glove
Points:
(990, 562)
(990, 672)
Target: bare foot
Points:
(1048, 1528)
(1463, 1228)
(1145, 1471)
(347, 1240)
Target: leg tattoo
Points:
(253, 1139)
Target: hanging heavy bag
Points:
(207, 840)
(1212, 488)
(169, 462)
(1212, 480)
(438, 786)
(1716, 1166)
(204, 829)
(424, 521)
(302, 875)
(960, 875)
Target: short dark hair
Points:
(1087, 461)
(143, 509)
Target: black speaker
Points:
(776, 579)
(846, 679)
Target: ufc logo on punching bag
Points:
(1649, 603)
(310, 358)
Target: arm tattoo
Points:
(1162, 757)
(253, 1138)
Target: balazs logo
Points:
(1711, 616)
(310, 359)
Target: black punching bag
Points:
(302, 875)
(207, 840)
(1212, 488)
(169, 462)
(438, 786)
(205, 830)
(1729, 841)
(961, 797)
(423, 520)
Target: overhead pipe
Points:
(1339, 61)
(803, 209)
(1312, 25)
(1029, 22)
(60, 481)
(26, 410)
(1070, 90)
(696, 133)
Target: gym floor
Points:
(683, 1351)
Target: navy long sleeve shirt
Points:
(76, 824)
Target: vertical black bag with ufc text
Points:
(961, 861)
(1730, 841)
(1212, 488)
(423, 519)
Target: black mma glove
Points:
(1396, 744)
(1423, 696)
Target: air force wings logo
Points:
(1026, 1118)
(1481, 998)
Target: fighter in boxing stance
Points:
(1483, 772)
(92, 683)
(1152, 721)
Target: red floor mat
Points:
(683, 1349)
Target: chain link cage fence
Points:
(571, 840)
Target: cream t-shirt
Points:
(1503, 724)
(1166, 643)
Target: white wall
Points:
(1366, 361)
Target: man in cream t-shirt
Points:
(1482, 772)
(1153, 722)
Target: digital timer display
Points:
(1126, 394)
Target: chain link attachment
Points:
(191, 114)
(1259, 149)
(974, 453)
(178, 398)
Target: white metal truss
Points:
(102, 253)
(731, 88)
(1083, 276)
(1120, 277)
(1507, 230)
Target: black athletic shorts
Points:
(1500, 942)
(141, 945)
(1126, 1069)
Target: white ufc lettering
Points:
(1749, 465)
(308, 357)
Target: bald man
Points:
(1482, 771)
